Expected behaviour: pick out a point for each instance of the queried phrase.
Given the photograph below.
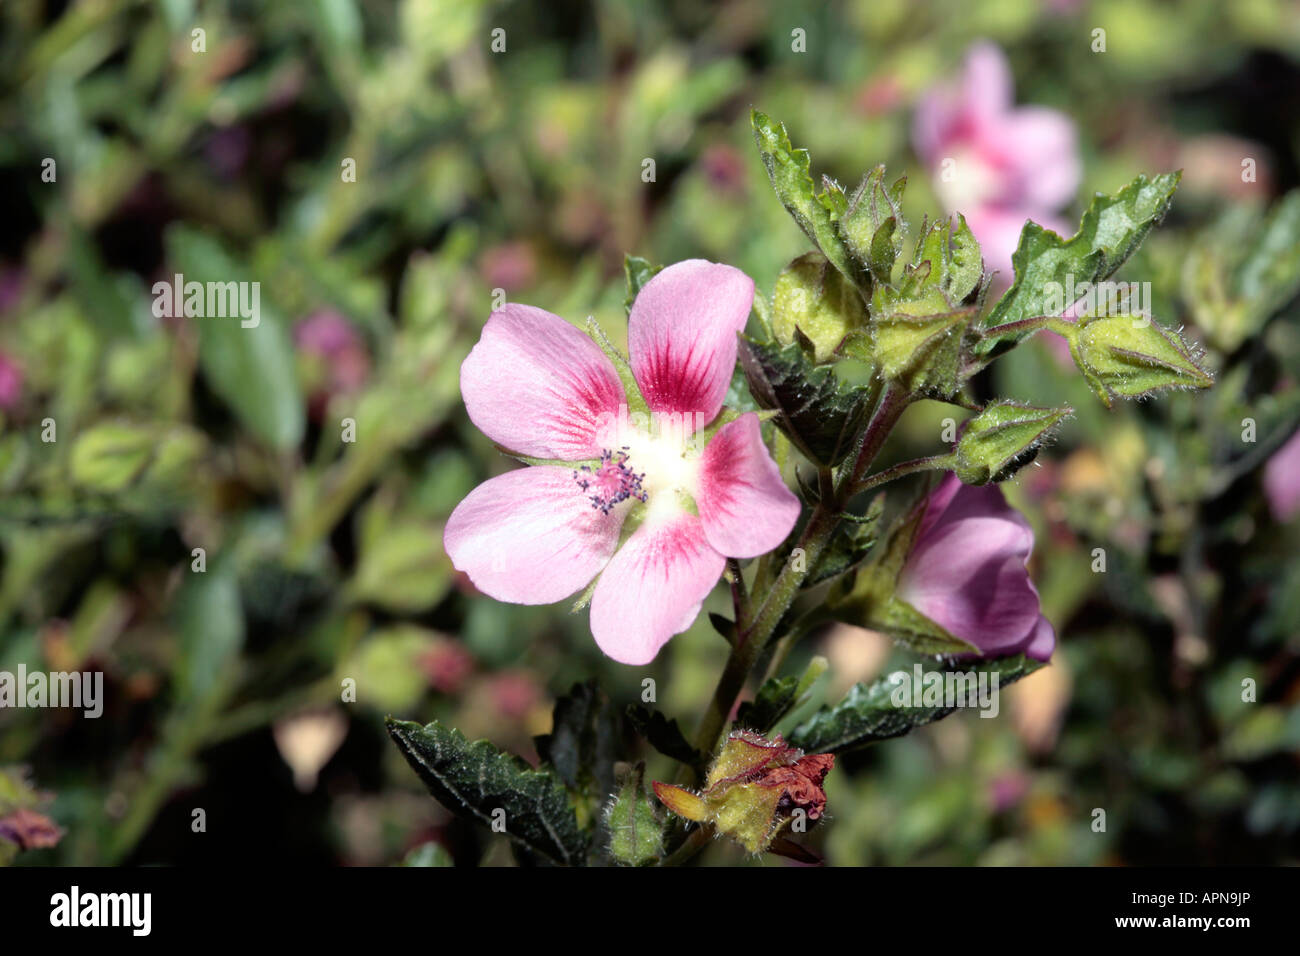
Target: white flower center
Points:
(657, 466)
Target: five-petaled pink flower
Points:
(642, 502)
(995, 164)
(966, 571)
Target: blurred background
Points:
(224, 155)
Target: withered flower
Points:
(30, 830)
(755, 789)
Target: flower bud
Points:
(635, 832)
(814, 297)
(111, 458)
(108, 458)
(917, 342)
(1129, 357)
(1001, 439)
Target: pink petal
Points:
(933, 125)
(987, 86)
(1042, 641)
(746, 508)
(998, 231)
(1040, 144)
(530, 536)
(1282, 480)
(952, 116)
(653, 588)
(682, 335)
(972, 580)
(540, 387)
(967, 568)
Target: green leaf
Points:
(956, 265)
(386, 666)
(815, 300)
(664, 735)
(635, 830)
(789, 170)
(1242, 269)
(147, 459)
(638, 272)
(850, 544)
(585, 741)
(1270, 274)
(251, 369)
(476, 779)
(108, 458)
(869, 712)
(404, 570)
(873, 226)
(774, 700)
(1003, 438)
(819, 412)
(779, 696)
(210, 635)
(1045, 264)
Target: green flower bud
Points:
(1125, 356)
(1001, 439)
(109, 458)
(917, 342)
(635, 831)
(112, 458)
(871, 224)
(815, 298)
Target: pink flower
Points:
(966, 571)
(514, 693)
(639, 503)
(996, 165)
(11, 382)
(447, 664)
(1282, 480)
(337, 356)
(1007, 789)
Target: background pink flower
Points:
(1282, 480)
(337, 354)
(11, 382)
(540, 387)
(1006, 164)
(967, 571)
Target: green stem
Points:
(1031, 324)
(753, 635)
(755, 628)
(932, 463)
(889, 409)
(694, 843)
(751, 639)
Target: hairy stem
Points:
(751, 638)
(932, 463)
(756, 627)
